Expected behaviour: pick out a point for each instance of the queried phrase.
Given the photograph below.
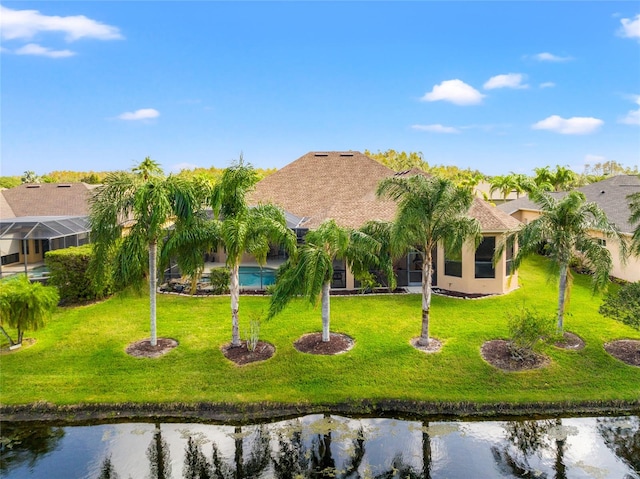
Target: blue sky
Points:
(495, 86)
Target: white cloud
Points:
(35, 49)
(569, 126)
(142, 114)
(550, 57)
(510, 80)
(630, 27)
(25, 24)
(633, 116)
(454, 91)
(437, 128)
(547, 84)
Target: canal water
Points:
(327, 446)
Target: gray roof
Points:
(43, 227)
(611, 195)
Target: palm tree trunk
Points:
(234, 289)
(239, 453)
(561, 297)
(153, 252)
(426, 297)
(326, 287)
(11, 341)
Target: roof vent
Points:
(33, 186)
(64, 186)
(346, 154)
(602, 192)
(321, 154)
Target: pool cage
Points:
(25, 240)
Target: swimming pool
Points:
(256, 277)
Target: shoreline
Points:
(270, 412)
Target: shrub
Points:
(25, 305)
(527, 328)
(69, 271)
(219, 280)
(623, 305)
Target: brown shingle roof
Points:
(491, 218)
(48, 199)
(5, 209)
(342, 186)
(323, 185)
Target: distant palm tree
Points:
(505, 184)
(30, 177)
(309, 273)
(565, 226)
(129, 215)
(431, 210)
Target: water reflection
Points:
(327, 446)
(622, 436)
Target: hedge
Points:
(69, 271)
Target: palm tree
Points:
(30, 177)
(522, 184)
(563, 178)
(565, 226)
(503, 183)
(129, 215)
(235, 226)
(634, 206)
(309, 273)
(544, 178)
(430, 211)
(25, 305)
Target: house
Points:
(611, 196)
(38, 217)
(342, 186)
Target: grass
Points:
(79, 357)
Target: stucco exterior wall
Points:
(468, 283)
(629, 271)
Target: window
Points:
(509, 256)
(601, 242)
(484, 258)
(37, 244)
(24, 243)
(10, 258)
(453, 263)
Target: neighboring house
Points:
(342, 186)
(38, 217)
(611, 196)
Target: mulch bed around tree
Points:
(570, 341)
(435, 345)
(26, 343)
(312, 344)
(497, 354)
(626, 350)
(241, 355)
(456, 294)
(143, 348)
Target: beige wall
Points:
(468, 283)
(629, 271)
(525, 216)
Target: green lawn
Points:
(79, 356)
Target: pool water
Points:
(256, 277)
